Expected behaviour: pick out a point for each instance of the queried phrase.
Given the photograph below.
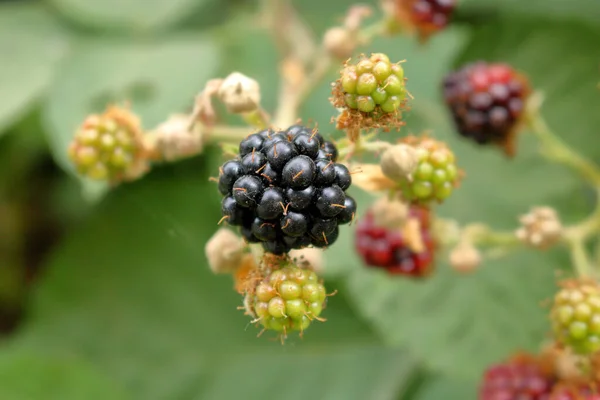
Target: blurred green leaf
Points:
(25, 375)
(32, 45)
(131, 292)
(128, 15)
(157, 78)
(460, 324)
(441, 387)
(580, 10)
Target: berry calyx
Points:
(372, 94)
(389, 248)
(109, 147)
(289, 298)
(522, 377)
(282, 186)
(487, 102)
(435, 176)
(575, 316)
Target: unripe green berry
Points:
(310, 292)
(351, 100)
(393, 85)
(261, 309)
(382, 70)
(349, 81)
(398, 71)
(364, 67)
(436, 174)
(315, 308)
(391, 104)
(108, 146)
(301, 324)
(277, 277)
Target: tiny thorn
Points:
(297, 175)
(320, 319)
(275, 150)
(325, 238)
(328, 165)
(356, 171)
(332, 293)
(287, 223)
(260, 169)
(223, 219)
(221, 170)
(261, 332)
(213, 179)
(410, 95)
(255, 320)
(241, 189)
(338, 205)
(352, 220)
(252, 158)
(267, 224)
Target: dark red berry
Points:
(427, 16)
(575, 392)
(486, 101)
(388, 249)
(520, 378)
(286, 191)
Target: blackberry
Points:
(436, 174)
(575, 316)
(388, 249)
(426, 16)
(286, 190)
(109, 147)
(287, 299)
(523, 377)
(487, 102)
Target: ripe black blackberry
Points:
(487, 101)
(286, 191)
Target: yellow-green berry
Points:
(108, 146)
(436, 174)
(575, 316)
(288, 299)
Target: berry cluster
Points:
(577, 392)
(436, 174)
(486, 101)
(288, 299)
(388, 249)
(576, 316)
(286, 191)
(373, 85)
(107, 146)
(428, 16)
(520, 378)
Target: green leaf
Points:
(27, 375)
(587, 11)
(128, 15)
(158, 78)
(442, 387)
(460, 324)
(32, 46)
(131, 292)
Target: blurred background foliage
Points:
(108, 295)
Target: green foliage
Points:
(127, 308)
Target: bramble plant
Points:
(391, 219)
(285, 187)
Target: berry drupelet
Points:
(520, 378)
(487, 101)
(388, 249)
(286, 190)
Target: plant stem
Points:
(228, 134)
